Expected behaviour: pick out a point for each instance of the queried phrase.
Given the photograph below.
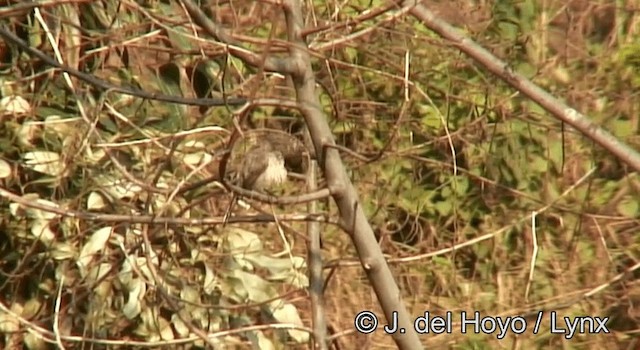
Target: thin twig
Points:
(103, 85)
(149, 219)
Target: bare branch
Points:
(351, 214)
(502, 69)
(272, 64)
(149, 219)
(101, 84)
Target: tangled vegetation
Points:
(112, 234)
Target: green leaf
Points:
(444, 207)
(460, 185)
(628, 208)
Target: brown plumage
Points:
(262, 166)
(292, 149)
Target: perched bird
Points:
(262, 167)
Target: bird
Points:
(262, 167)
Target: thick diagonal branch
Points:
(501, 69)
(351, 212)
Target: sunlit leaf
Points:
(118, 188)
(132, 308)
(42, 231)
(242, 244)
(44, 162)
(281, 269)
(95, 201)
(19, 210)
(95, 244)
(34, 342)
(179, 325)
(5, 169)
(63, 251)
(13, 105)
(287, 313)
(210, 283)
(264, 343)
(8, 323)
(252, 287)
